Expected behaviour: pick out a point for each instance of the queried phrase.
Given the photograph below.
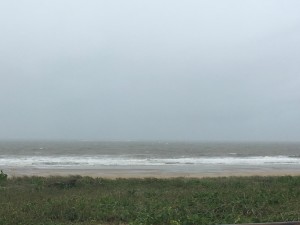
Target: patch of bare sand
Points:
(141, 173)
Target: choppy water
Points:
(86, 154)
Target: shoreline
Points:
(114, 173)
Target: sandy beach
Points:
(146, 172)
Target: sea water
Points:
(193, 156)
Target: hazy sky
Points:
(150, 70)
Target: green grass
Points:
(84, 200)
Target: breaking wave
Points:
(112, 160)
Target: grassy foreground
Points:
(85, 200)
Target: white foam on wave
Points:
(93, 161)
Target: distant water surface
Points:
(195, 155)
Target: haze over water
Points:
(150, 70)
(219, 79)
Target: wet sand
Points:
(149, 172)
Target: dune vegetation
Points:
(86, 200)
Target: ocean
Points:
(195, 157)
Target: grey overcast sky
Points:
(226, 70)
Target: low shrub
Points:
(3, 176)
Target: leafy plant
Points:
(3, 176)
